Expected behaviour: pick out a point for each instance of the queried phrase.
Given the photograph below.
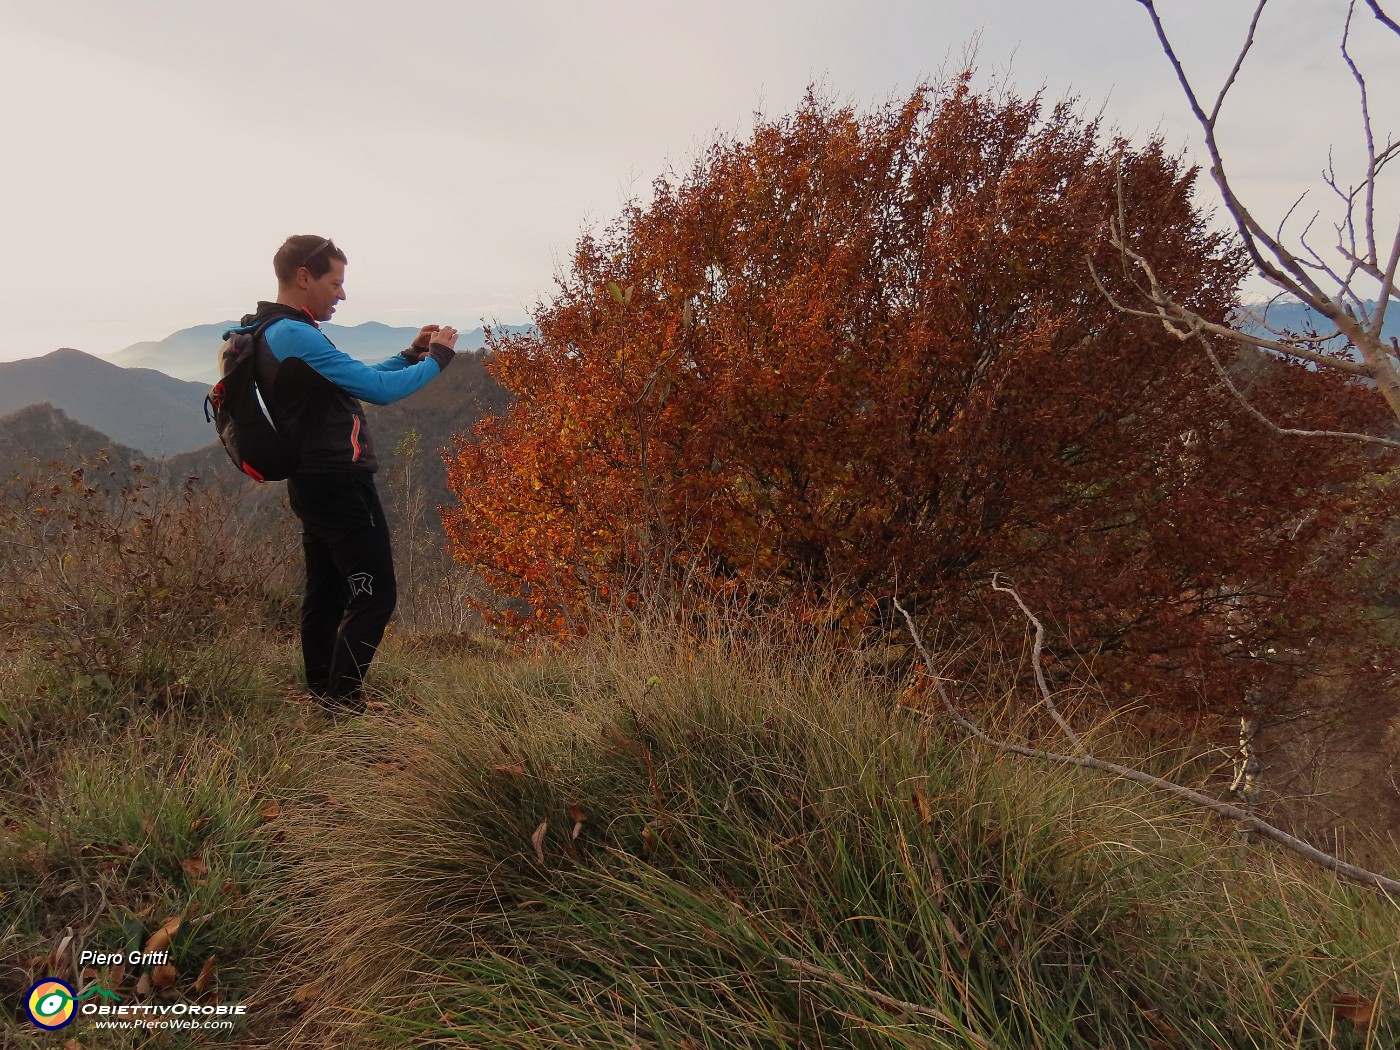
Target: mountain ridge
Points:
(192, 353)
(142, 408)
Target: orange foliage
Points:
(860, 355)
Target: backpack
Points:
(248, 436)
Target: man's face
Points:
(322, 293)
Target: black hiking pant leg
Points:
(322, 608)
(350, 586)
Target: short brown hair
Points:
(304, 249)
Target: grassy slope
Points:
(771, 853)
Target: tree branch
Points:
(1036, 651)
(1287, 431)
(1173, 316)
(1388, 886)
(1381, 17)
(1370, 183)
(1287, 275)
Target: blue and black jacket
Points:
(313, 391)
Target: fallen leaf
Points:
(143, 986)
(58, 958)
(195, 867)
(116, 975)
(271, 811)
(1357, 1009)
(954, 931)
(206, 975)
(164, 976)
(537, 840)
(921, 806)
(160, 940)
(307, 993)
(88, 974)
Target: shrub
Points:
(860, 355)
(130, 583)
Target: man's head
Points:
(310, 274)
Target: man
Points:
(313, 393)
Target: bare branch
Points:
(1174, 317)
(1239, 61)
(1037, 650)
(1287, 274)
(1249, 406)
(1370, 181)
(1387, 288)
(1289, 214)
(1382, 17)
(1388, 886)
(1262, 322)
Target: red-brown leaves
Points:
(856, 351)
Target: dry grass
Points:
(770, 853)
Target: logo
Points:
(361, 583)
(50, 1004)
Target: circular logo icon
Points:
(50, 1004)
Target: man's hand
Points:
(427, 335)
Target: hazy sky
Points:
(156, 152)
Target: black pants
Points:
(350, 589)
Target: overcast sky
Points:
(156, 152)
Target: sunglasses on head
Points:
(322, 244)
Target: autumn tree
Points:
(858, 356)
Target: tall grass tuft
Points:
(732, 838)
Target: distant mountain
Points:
(136, 407)
(450, 405)
(1289, 315)
(192, 353)
(43, 433)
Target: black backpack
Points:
(248, 436)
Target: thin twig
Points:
(1370, 183)
(1250, 407)
(1287, 274)
(1036, 651)
(1382, 17)
(1174, 317)
(1388, 886)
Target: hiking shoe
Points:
(342, 705)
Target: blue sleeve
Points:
(378, 386)
(394, 363)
